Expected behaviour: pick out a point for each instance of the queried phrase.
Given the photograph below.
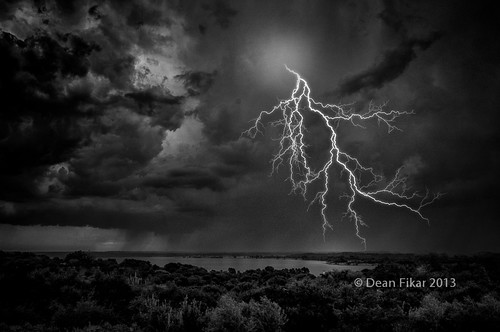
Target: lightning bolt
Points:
(396, 192)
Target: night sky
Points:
(121, 123)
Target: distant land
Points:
(345, 258)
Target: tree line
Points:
(84, 293)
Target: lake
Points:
(246, 263)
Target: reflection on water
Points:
(244, 263)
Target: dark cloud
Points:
(392, 17)
(241, 157)
(40, 121)
(141, 13)
(392, 64)
(187, 178)
(221, 12)
(106, 214)
(94, 12)
(403, 24)
(127, 142)
(116, 67)
(161, 106)
(220, 124)
(33, 68)
(56, 89)
(197, 82)
(153, 95)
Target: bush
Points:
(156, 315)
(266, 315)
(231, 315)
(84, 313)
(436, 315)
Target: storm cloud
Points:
(125, 120)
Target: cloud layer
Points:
(124, 120)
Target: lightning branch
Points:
(291, 154)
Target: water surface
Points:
(246, 263)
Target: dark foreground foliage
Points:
(83, 293)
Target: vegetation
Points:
(84, 293)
